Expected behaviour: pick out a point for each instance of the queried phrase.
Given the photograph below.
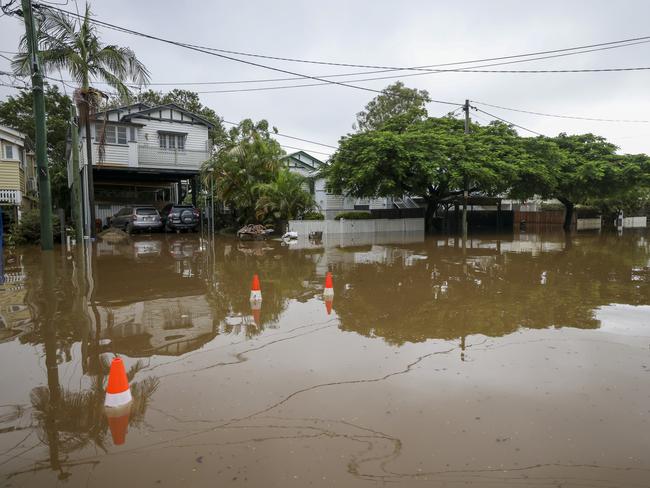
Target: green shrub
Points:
(313, 216)
(354, 215)
(28, 230)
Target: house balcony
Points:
(150, 156)
(13, 197)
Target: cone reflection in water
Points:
(118, 422)
(328, 304)
(256, 309)
(328, 292)
(117, 390)
(256, 292)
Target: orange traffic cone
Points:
(118, 422)
(328, 292)
(256, 309)
(117, 390)
(256, 292)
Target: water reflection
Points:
(157, 296)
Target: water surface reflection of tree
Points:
(447, 295)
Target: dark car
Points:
(137, 218)
(179, 217)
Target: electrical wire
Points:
(305, 150)
(508, 122)
(427, 71)
(243, 61)
(574, 117)
(392, 68)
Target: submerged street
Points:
(503, 361)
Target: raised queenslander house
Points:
(331, 204)
(18, 188)
(142, 155)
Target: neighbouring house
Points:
(142, 155)
(331, 204)
(18, 188)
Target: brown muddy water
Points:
(517, 361)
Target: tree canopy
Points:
(432, 159)
(395, 100)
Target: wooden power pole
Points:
(44, 192)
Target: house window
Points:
(171, 141)
(9, 151)
(115, 134)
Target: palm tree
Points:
(284, 198)
(74, 46)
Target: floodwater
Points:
(514, 360)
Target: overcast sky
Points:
(407, 33)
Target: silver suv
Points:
(137, 218)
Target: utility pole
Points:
(466, 182)
(45, 196)
(76, 181)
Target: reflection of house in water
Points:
(161, 326)
(148, 307)
(15, 316)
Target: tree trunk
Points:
(432, 206)
(568, 214)
(85, 106)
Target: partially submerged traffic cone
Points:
(328, 292)
(256, 292)
(118, 422)
(117, 390)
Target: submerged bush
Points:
(28, 230)
(354, 215)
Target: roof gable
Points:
(305, 160)
(121, 111)
(15, 136)
(156, 113)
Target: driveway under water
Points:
(507, 361)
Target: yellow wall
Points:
(10, 175)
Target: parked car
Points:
(131, 219)
(179, 217)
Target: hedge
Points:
(354, 215)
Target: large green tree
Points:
(395, 100)
(17, 112)
(584, 169)
(432, 159)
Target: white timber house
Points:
(331, 204)
(141, 155)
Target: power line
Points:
(223, 56)
(470, 69)
(427, 71)
(306, 150)
(392, 68)
(575, 117)
(508, 122)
